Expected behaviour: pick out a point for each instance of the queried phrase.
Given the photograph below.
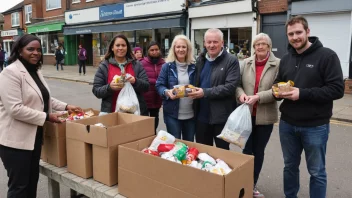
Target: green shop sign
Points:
(44, 28)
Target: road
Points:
(339, 152)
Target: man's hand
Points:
(243, 98)
(197, 93)
(72, 108)
(251, 100)
(169, 94)
(291, 95)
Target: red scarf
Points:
(259, 67)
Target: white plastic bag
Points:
(127, 101)
(238, 127)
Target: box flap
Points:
(87, 133)
(181, 177)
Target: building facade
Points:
(140, 21)
(14, 26)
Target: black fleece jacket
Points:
(318, 75)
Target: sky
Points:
(7, 4)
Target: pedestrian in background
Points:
(261, 68)
(179, 69)
(59, 57)
(82, 57)
(152, 64)
(119, 60)
(25, 105)
(138, 53)
(307, 109)
(217, 77)
(2, 58)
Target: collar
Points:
(211, 59)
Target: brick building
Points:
(13, 26)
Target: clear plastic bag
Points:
(127, 101)
(238, 127)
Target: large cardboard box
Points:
(143, 175)
(54, 142)
(93, 150)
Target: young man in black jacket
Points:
(306, 109)
(217, 76)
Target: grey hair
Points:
(261, 36)
(216, 31)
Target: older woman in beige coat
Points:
(25, 105)
(258, 73)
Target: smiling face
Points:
(32, 52)
(298, 36)
(181, 50)
(213, 43)
(119, 48)
(261, 48)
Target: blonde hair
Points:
(172, 56)
(261, 36)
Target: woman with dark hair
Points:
(25, 105)
(119, 59)
(82, 57)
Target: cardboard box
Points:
(143, 175)
(54, 144)
(103, 143)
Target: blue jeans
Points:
(313, 141)
(176, 127)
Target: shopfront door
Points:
(86, 41)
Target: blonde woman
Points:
(179, 69)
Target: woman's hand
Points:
(116, 86)
(169, 94)
(243, 98)
(131, 79)
(54, 117)
(72, 108)
(252, 99)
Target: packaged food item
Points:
(148, 151)
(194, 164)
(206, 158)
(217, 170)
(64, 116)
(225, 169)
(88, 114)
(181, 91)
(180, 151)
(165, 147)
(100, 125)
(282, 87)
(192, 154)
(162, 137)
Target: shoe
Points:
(257, 194)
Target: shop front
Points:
(51, 36)
(235, 19)
(8, 37)
(139, 22)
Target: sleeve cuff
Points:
(66, 107)
(303, 94)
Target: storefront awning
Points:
(45, 27)
(143, 24)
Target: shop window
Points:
(28, 12)
(15, 19)
(143, 38)
(165, 37)
(51, 41)
(240, 42)
(108, 36)
(53, 4)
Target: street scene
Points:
(175, 98)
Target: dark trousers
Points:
(1, 65)
(206, 134)
(22, 168)
(82, 63)
(154, 113)
(57, 65)
(256, 144)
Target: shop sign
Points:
(9, 33)
(111, 12)
(148, 7)
(44, 28)
(82, 16)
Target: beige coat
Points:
(267, 112)
(21, 107)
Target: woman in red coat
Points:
(152, 65)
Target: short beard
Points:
(303, 45)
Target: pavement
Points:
(342, 110)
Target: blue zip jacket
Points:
(167, 79)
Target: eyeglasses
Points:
(259, 44)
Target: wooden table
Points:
(87, 187)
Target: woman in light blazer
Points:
(25, 105)
(258, 73)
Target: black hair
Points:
(19, 44)
(110, 53)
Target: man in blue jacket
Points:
(217, 76)
(306, 109)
